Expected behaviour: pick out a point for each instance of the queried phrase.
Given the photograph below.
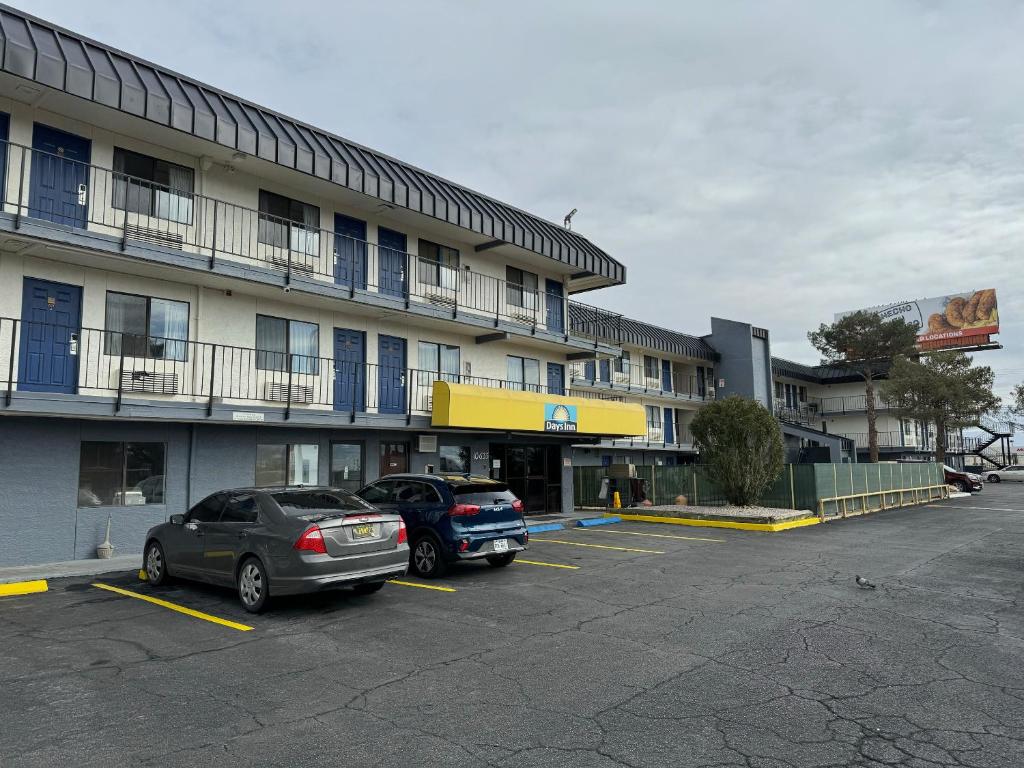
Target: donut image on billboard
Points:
(955, 320)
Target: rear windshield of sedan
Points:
(312, 503)
(482, 493)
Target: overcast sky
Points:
(772, 162)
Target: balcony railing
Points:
(800, 413)
(140, 213)
(850, 404)
(41, 357)
(896, 439)
(660, 435)
(625, 375)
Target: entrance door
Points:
(394, 458)
(51, 316)
(349, 370)
(390, 374)
(669, 422)
(666, 375)
(605, 368)
(554, 316)
(556, 379)
(58, 186)
(533, 473)
(391, 256)
(349, 251)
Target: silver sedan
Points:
(279, 541)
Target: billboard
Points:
(956, 320)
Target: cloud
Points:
(768, 161)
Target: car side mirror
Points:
(177, 519)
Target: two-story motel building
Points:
(197, 293)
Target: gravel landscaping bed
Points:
(744, 514)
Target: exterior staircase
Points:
(994, 450)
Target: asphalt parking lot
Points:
(659, 646)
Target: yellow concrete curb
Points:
(23, 588)
(769, 527)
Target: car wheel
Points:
(427, 559)
(960, 485)
(155, 564)
(253, 585)
(368, 588)
(500, 561)
(993, 478)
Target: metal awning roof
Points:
(58, 58)
(824, 374)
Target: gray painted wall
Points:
(735, 343)
(40, 521)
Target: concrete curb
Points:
(590, 522)
(11, 589)
(544, 527)
(764, 527)
(91, 567)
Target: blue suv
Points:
(452, 517)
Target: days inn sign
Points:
(559, 418)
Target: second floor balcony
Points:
(114, 212)
(65, 370)
(915, 441)
(639, 378)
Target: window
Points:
(523, 373)
(802, 394)
(522, 288)
(650, 367)
(778, 391)
(622, 363)
(413, 492)
(439, 265)
(347, 466)
(287, 223)
(140, 326)
(300, 503)
(442, 359)
(240, 509)
(208, 510)
(653, 415)
(121, 474)
(455, 458)
(151, 187)
(287, 464)
(380, 493)
(279, 340)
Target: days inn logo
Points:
(559, 418)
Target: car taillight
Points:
(402, 535)
(312, 540)
(463, 510)
(463, 545)
(517, 506)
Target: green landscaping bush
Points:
(740, 443)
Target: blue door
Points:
(58, 186)
(590, 370)
(349, 370)
(554, 309)
(349, 251)
(605, 367)
(556, 379)
(390, 374)
(701, 381)
(670, 427)
(51, 325)
(391, 255)
(666, 375)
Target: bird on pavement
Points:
(864, 583)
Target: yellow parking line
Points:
(596, 546)
(421, 586)
(23, 588)
(549, 565)
(173, 607)
(655, 535)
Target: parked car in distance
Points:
(965, 482)
(452, 517)
(279, 541)
(1012, 473)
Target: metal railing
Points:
(850, 404)
(636, 376)
(43, 357)
(142, 213)
(801, 413)
(896, 439)
(660, 434)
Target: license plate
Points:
(501, 545)
(362, 531)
